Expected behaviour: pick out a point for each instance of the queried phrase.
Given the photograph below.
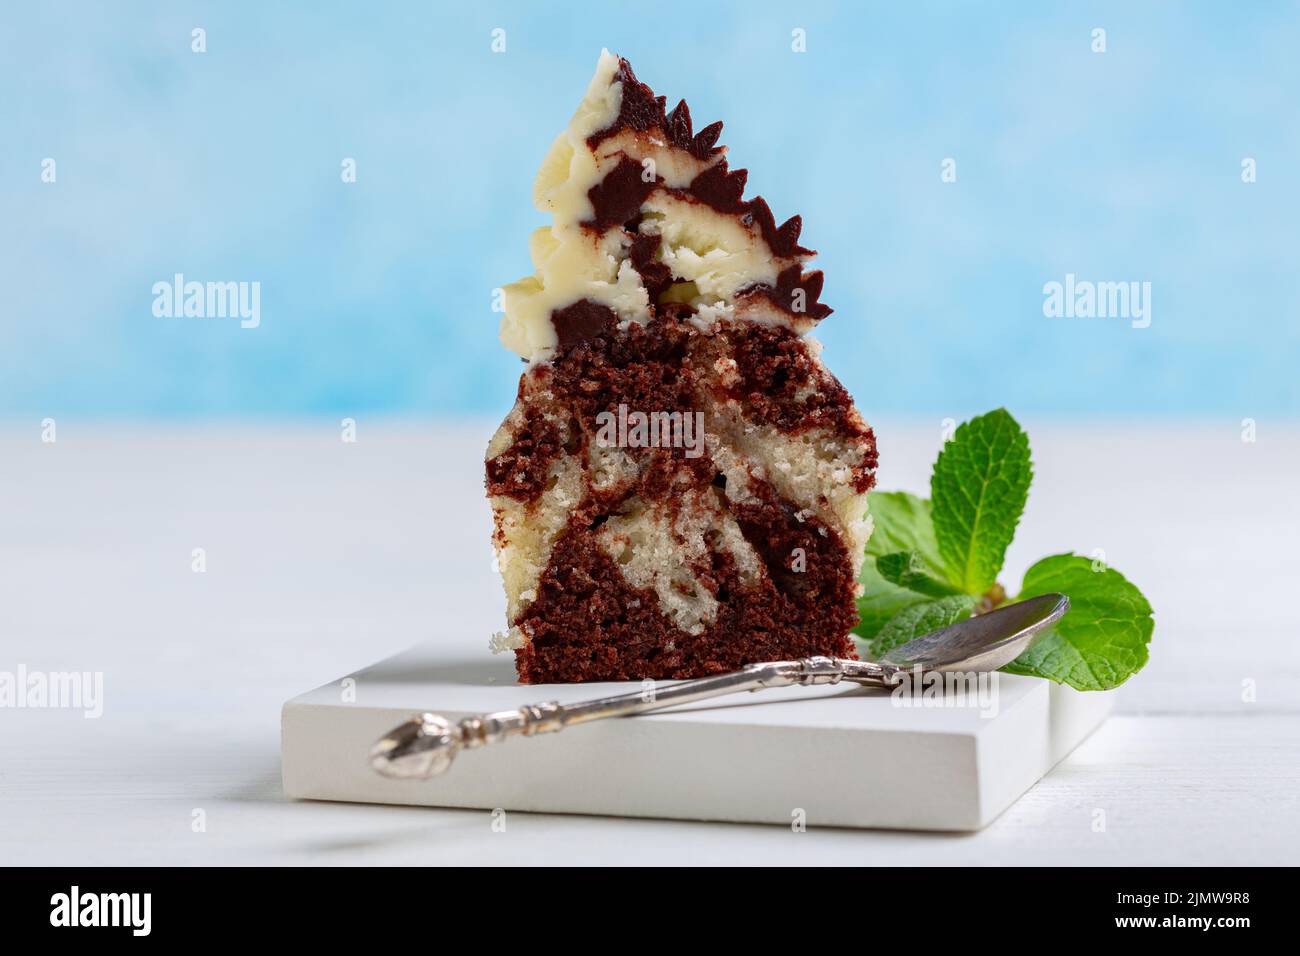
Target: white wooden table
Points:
(323, 556)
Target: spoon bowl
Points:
(982, 643)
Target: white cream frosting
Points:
(713, 254)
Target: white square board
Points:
(843, 756)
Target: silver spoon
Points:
(425, 745)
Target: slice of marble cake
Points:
(681, 486)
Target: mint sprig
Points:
(910, 623)
(978, 488)
(931, 563)
(902, 523)
(908, 569)
(1102, 640)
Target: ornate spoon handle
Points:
(426, 745)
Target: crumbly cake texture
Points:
(660, 290)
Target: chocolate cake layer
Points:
(700, 517)
(589, 624)
(668, 365)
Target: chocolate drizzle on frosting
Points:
(618, 197)
(582, 321)
(655, 275)
(678, 127)
(783, 295)
(717, 186)
(641, 110)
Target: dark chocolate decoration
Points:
(619, 197)
(720, 189)
(641, 110)
(581, 321)
(783, 296)
(655, 275)
(784, 240)
(678, 127)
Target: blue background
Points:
(376, 296)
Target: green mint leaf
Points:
(978, 491)
(910, 623)
(901, 523)
(880, 601)
(1102, 640)
(908, 570)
